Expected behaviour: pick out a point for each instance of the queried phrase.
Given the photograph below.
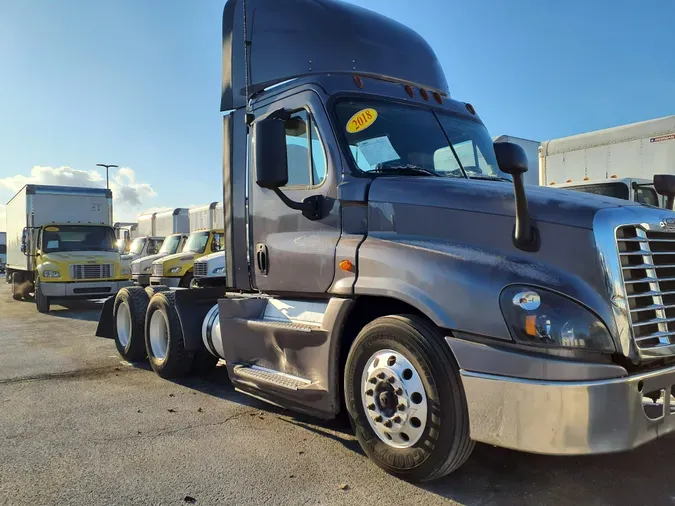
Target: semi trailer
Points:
(173, 225)
(206, 236)
(61, 245)
(435, 298)
(3, 251)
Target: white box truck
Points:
(206, 236)
(531, 150)
(61, 245)
(147, 240)
(3, 250)
(125, 232)
(173, 225)
(609, 161)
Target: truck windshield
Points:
(137, 246)
(389, 138)
(196, 242)
(618, 190)
(77, 238)
(170, 245)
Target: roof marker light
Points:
(424, 94)
(409, 90)
(568, 181)
(437, 97)
(358, 81)
(470, 108)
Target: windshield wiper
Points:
(490, 178)
(405, 169)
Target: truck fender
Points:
(192, 306)
(106, 325)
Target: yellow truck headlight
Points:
(176, 269)
(51, 274)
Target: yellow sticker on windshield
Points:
(361, 120)
(52, 229)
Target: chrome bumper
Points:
(141, 279)
(569, 418)
(88, 289)
(172, 282)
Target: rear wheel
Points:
(129, 316)
(41, 300)
(405, 399)
(152, 290)
(164, 338)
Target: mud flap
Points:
(106, 325)
(192, 306)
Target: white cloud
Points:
(128, 194)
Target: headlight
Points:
(541, 318)
(125, 272)
(218, 270)
(176, 269)
(148, 268)
(51, 274)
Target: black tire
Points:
(186, 280)
(17, 278)
(41, 300)
(133, 299)
(176, 360)
(445, 444)
(152, 290)
(203, 363)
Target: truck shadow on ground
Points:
(498, 476)
(85, 310)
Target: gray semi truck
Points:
(390, 262)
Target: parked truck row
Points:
(383, 256)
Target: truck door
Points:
(290, 253)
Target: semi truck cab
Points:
(209, 270)
(177, 270)
(391, 261)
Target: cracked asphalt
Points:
(78, 426)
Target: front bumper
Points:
(166, 281)
(569, 418)
(88, 289)
(141, 279)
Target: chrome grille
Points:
(158, 269)
(91, 271)
(648, 266)
(201, 269)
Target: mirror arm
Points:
(525, 236)
(311, 207)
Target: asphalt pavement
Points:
(79, 426)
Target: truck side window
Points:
(217, 242)
(304, 147)
(153, 246)
(646, 196)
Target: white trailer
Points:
(172, 221)
(638, 150)
(531, 150)
(203, 217)
(146, 225)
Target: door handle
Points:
(262, 258)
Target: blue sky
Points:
(136, 84)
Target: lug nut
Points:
(369, 392)
(378, 418)
(381, 375)
(391, 379)
(387, 424)
(401, 407)
(399, 391)
(397, 419)
(373, 380)
(371, 407)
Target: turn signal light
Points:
(346, 265)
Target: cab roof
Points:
(292, 38)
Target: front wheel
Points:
(405, 399)
(41, 300)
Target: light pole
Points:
(107, 167)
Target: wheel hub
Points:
(394, 399)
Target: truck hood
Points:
(551, 205)
(179, 257)
(145, 261)
(82, 256)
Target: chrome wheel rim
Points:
(159, 335)
(123, 322)
(394, 399)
